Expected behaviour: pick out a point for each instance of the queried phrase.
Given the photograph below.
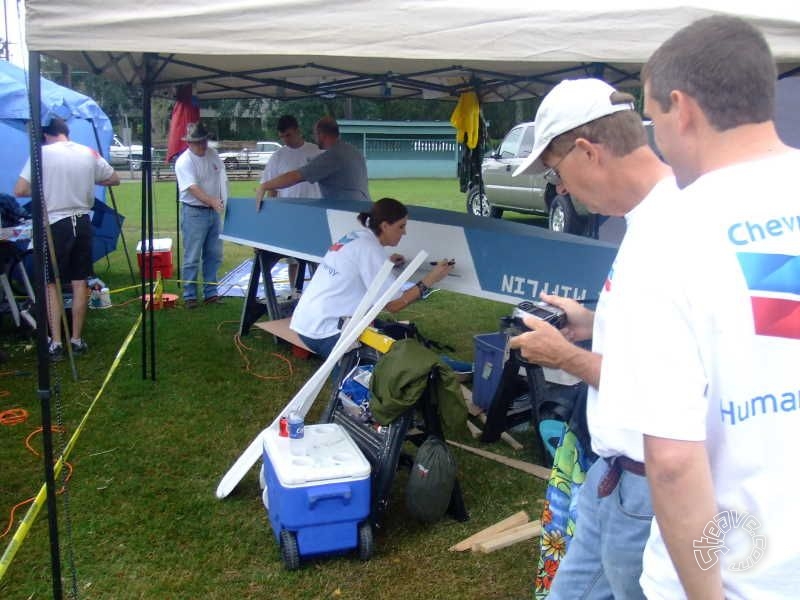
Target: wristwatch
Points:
(423, 289)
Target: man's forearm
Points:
(284, 180)
(198, 192)
(682, 493)
(583, 364)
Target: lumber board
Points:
(509, 537)
(530, 468)
(518, 518)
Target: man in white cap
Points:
(203, 187)
(592, 143)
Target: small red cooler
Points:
(162, 257)
(319, 501)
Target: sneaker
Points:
(56, 353)
(213, 300)
(79, 348)
(190, 303)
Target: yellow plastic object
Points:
(375, 339)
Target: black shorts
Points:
(72, 238)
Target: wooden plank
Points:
(472, 408)
(509, 537)
(280, 328)
(530, 468)
(514, 520)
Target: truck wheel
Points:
(365, 541)
(289, 551)
(231, 163)
(478, 204)
(136, 163)
(563, 217)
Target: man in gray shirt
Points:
(341, 170)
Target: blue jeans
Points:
(604, 559)
(200, 228)
(323, 347)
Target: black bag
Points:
(431, 481)
(405, 331)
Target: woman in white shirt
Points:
(348, 269)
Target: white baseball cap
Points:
(572, 103)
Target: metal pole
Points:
(40, 250)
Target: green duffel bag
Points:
(431, 481)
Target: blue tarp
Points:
(82, 114)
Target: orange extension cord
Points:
(244, 349)
(58, 429)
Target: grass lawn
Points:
(140, 519)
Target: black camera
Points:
(535, 308)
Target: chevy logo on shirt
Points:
(774, 284)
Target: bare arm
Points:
(284, 180)
(683, 501)
(22, 189)
(439, 272)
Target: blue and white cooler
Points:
(318, 501)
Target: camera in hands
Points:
(537, 309)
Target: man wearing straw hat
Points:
(203, 187)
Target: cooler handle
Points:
(335, 491)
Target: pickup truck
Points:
(499, 191)
(246, 157)
(122, 154)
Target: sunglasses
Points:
(551, 175)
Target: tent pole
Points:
(116, 210)
(40, 249)
(147, 175)
(178, 227)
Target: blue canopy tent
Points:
(87, 124)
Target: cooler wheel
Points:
(289, 551)
(365, 542)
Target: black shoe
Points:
(56, 353)
(79, 348)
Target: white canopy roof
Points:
(378, 48)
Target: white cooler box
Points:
(317, 503)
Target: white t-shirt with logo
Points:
(339, 283)
(291, 159)
(609, 436)
(713, 348)
(206, 171)
(69, 174)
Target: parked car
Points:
(250, 158)
(500, 191)
(123, 154)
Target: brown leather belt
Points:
(616, 465)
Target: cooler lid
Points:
(159, 245)
(331, 457)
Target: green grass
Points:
(142, 520)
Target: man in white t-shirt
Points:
(591, 142)
(69, 173)
(296, 153)
(203, 187)
(716, 327)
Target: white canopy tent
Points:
(378, 48)
(374, 48)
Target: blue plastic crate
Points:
(489, 354)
